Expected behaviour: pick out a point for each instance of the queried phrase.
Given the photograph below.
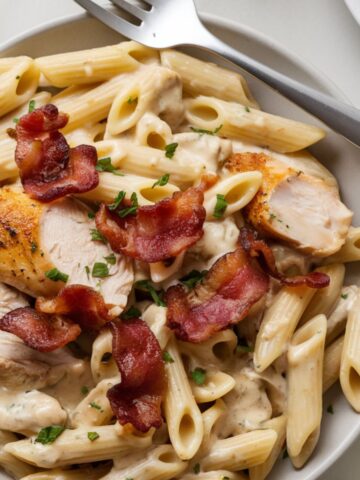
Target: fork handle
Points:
(339, 116)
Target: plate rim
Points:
(330, 87)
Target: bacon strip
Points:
(157, 232)
(257, 248)
(137, 399)
(232, 285)
(49, 168)
(81, 304)
(42, 332)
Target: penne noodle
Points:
(332, 360)
(350, 251)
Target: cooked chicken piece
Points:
(10, 298)
(29, 412)
(302, 209)
(22, 368)
(36, 238)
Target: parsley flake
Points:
(203, 131)
(162, 180)
(196, 468)
(167, 357)
(170, 150)
(124, 212)
(84, 390)
(87, 270)
(17, 77)
(105, 165)
(198, 375)
(91, 215)
(272, 216)
(193, 278)
(244, 349)
(49, 434)
(94, 405)
(33, 247)
(92, 436)
(330, 409)
(117, 200)
(221, 206)
(15, 120)
(131, 100)
(100, 270)
(97, 236)
(111, 259)
(55, 275)
(132, 312)
(344, 296)
(247, 109)
(147, 286)
(31, 106)
(225, 477)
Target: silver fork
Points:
(171, 23)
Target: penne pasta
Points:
(332, 361)
(305, 373)
(83, 473)
(337, 319)
(153, 132)
(350, 251)
(251, 125)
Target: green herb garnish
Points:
(97, 236)
(84, 390)
(170, 150)
(198, 375)
(247, 109)
(95, 405)
(111, 259)
(91, 215)
(33, 247)
(221, 206)
(193, 278)
(167, 357)
(162, 180)
(105, 165)
(31, 106)
(124, 212)
(203, 131)
(100, 270)
(87, 270)
(196, 468)
(147, 286)
(132, 312)
(55, 275)
(16, 120)
(49, 434)
(244, 349)
(118, 199)
(344, 296)
(92, 436)
(17, 77)
(131, 100)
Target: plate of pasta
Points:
(178, 269)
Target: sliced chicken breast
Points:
(292, 205)
(36, 238)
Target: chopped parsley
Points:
(111, 259)
(162, 180)
(247, 109)
(225, 477)
(33, 247)
(31, 106)
(132, 312)
(147, 286)
(97, 236)
(84, 390)
(330, 409)
(244, 349)
(221, 206)
(272, 216)
(15, 120)
(49, 434)
(105, 165)
(203, 131)
(124, 212)
(167, 357)
(95, 405)
(170, 150)
(131, 100)
(196, 468)
(193, 278)
(87, 270)
(91, 215)
(344, 296)
(198, 375)
(55, 275)
(118, 199)
(100, 270)
(17, 77)
(92, 436)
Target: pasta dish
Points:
(172, 262)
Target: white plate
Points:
(78, 31)
(354, 7)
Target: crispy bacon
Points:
(232, 285)
(257, 248)
(81, 304)
(137, 399)
(42, 332)
(49, 168)
(157, 232)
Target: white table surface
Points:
(323, 32)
